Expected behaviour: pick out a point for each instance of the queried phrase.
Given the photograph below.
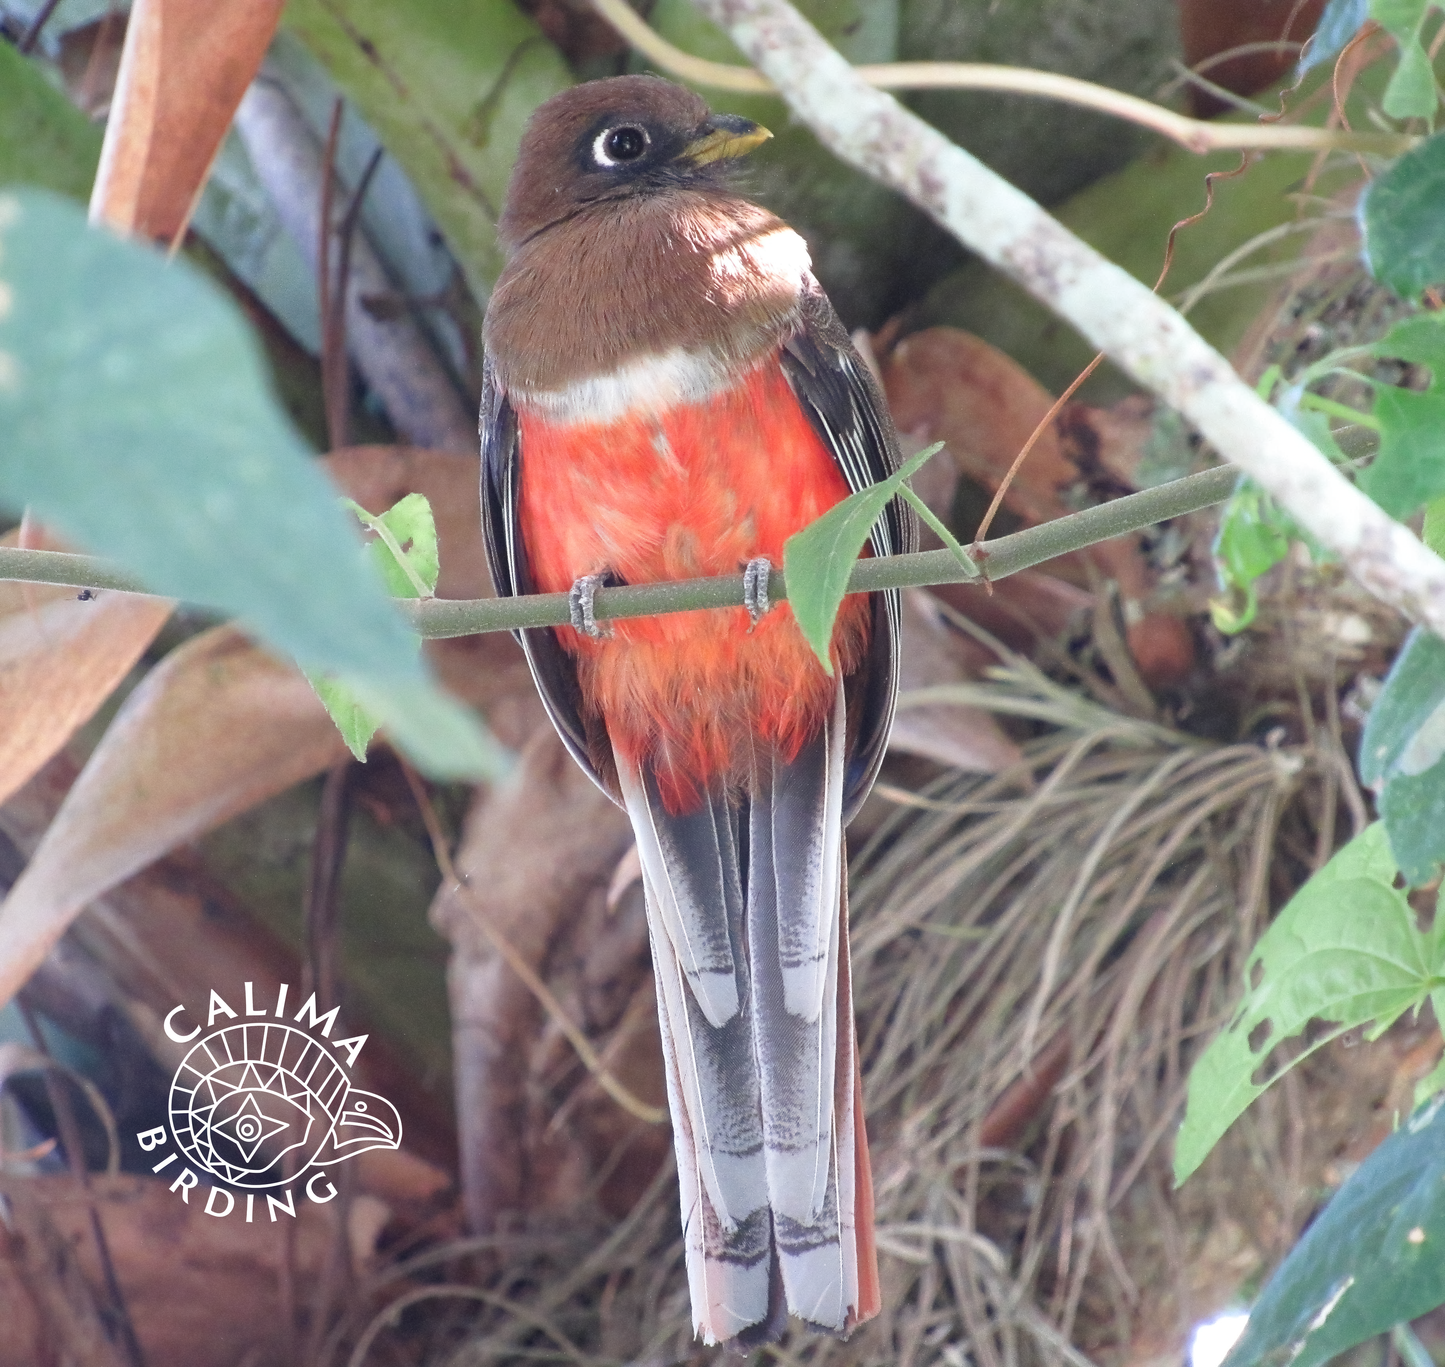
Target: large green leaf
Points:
(1346, 950)
(1402, 214)
(1402, 756)
(1374, 1258)
(448, 86)
(1410, 467)
(137, 420)
(44, 139)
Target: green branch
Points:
(441, 617)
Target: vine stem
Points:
(1147, 338)
(442, 617)
(1196, 135)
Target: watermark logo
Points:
(262, 1104)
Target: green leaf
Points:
(356, 724)
(1374, 1258)
(405, 552)
(818, 560)
(1402, 756)
(1411, 91)
(1402, 216)
(441, 735)
(1253, 538)
(1433, 532)
(448, 86)
(137, 420)
(44, 139)
(1410, 467)
(405, 549)
(1345, 950)
(1399, 16)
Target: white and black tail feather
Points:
(745, 909)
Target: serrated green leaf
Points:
(137, 419)
(448, 86)
(1402, 217)
(1409, 468)
(1374, 1257)
(405, 549)
(1345, 950)
(356, 724)
(818, 560)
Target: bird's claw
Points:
(756, 575)
(581, 607)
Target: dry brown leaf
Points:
(200, 1290)
(184, 68)
(944, 384)
(60, 658)
(947, 385)
(58, 663)
(967, 738)
(487, 671)
(214, 729)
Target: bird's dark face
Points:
(615, 139)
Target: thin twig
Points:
(444, 617)
(653, 1115)
(332, 310)
(1196, 135)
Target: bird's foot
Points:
(756, 575)
(581, 601)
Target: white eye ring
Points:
(599, 144)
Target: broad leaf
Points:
(448, 86)
(218, 726)
(1345, 950)
(1410, 467)
(138, 422)
(818, 561)
(1402, 756)
(44, 139)
(1402, 215)
(1374, 1258)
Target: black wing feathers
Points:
(553, 668)
(848, 411)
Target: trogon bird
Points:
(669, 394)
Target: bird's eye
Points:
(616, 145)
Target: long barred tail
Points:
(747, 912)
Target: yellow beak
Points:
(725, 135)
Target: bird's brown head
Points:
(616, 139)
